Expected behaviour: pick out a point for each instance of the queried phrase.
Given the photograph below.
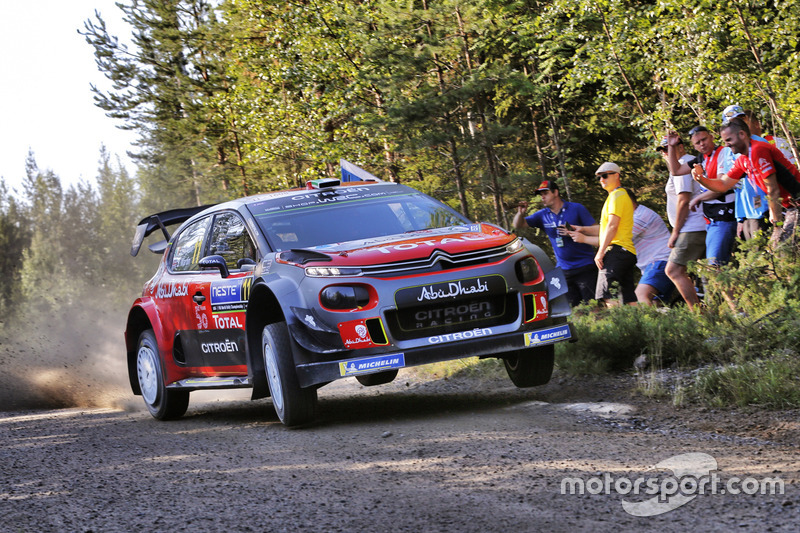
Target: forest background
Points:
(472, 101)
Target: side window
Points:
(230, 239)
(189, 247)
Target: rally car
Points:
(285, 292)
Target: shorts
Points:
(720, 238)
(581, 282)
(690, 246)
(619, 265)
(654, 275)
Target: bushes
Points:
(611, 339)
(747, 355)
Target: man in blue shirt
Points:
(575, 259)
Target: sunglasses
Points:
(604, 175)
(697, 129)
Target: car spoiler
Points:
(161, 220)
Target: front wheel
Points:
(530, 367)
(163, 404)
(293, 404)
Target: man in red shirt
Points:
(767, 168)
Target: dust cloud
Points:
(71, 358)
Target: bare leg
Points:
(677, 273)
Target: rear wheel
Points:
(293, 404)
(530, 367)
(163, 404)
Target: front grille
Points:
(436, 262)
(452, 316)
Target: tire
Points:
(378, 378)
(163, 403)
(530, 367)
(293, 404)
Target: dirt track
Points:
(446, 455)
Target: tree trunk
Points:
(451, 143)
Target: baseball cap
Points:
(607, 167)
(547, 185)
(662, 146)
(732, 111)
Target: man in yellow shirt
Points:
(616, 255)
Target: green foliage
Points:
(78, 240)
(611, 339)
(773, 383)
(15, 237)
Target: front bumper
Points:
(468, 344)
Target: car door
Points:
(216, 347)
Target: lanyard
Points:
(711, 163)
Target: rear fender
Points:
(142, 316)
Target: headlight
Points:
(515, 246)
(344, 297)
(324, 272)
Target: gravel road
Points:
(454, 455)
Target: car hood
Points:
(413, 245)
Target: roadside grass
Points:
(472, 367)
(771, 383)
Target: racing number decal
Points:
(202, 317)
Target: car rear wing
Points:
(161, 220)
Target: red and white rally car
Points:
(288, 291)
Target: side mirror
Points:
(217, 262)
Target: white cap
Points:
(607, 167)
(732, 111)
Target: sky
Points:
(46, 105)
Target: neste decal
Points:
(547, 336)
(228, 296)
(371, 364)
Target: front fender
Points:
(270, 301)
(555, 281)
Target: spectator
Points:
(718, 209)
(575, 259)
(752, 210)
(767, 168)
(688, 239)
(616, 255)
(650, 237)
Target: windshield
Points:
(314, 218)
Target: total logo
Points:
(429, 242)
(227, 322)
